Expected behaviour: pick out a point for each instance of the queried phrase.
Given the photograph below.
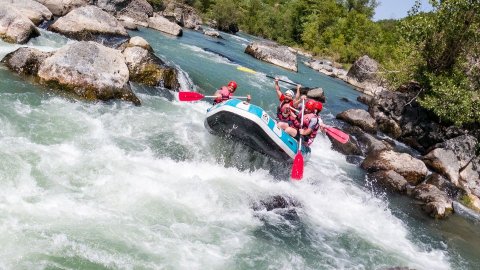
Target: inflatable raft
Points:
(251, 125)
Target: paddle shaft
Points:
(231, 97)
(301, 126)
(271, 77)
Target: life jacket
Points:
(306, 122)
(226, 95)
(283, 102)
(289, 119)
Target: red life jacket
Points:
(226, 95)
(283, 102)
(306, 122)
(289, 119)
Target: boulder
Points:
(181, 14)
(33, 10)
(412, 169)
(390, 180)
(444, 162)
(139, 42)
(351, 147)
(62, 7)
(364, 69)
(436, 203)
(162, 24)
(273, 53)
(316, 93)
(214, 34)
(360, 118)
(443, 184)
(112, 6)
(89, 70)
(371, 144)
(128, 23)
(146, 68)
(138, 11)
(25, 61)
(14, 27)
(89, 23)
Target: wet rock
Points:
(128, 23)
(25, 61)
(390, 180)
(412, 169)
(162, 24)
(436, 203)
(214, 34)
(368, 142)
(351, 147)
(316, 93)
(14, 27)
(444, 162)
(360, 118)
(364, 69)
(89, 70)
(139, 42)
(88, 23)
(146, 68)
(62, 7)
(282, 205)
(33, 10)
(365, 99)
(273, 53)
(471, 201)
(443, 184)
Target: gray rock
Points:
(162, 24)
(412, 169)
(360, 118)
(87, 23)
(138, 11)
(89, 70)
(364, 69)
(273, 53)
(139, 42)
(372, 144)
(390, 180)
(316, 93)
(62, 7)
(33, 10)
(215, 34)
(14, 27)
(443, 184)
(437, 203)
(444, 162)
(148, 69)
(183, 15)
(25, 61)
(111, 6)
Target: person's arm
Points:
(249, 98)
(217, 94)
(298, 101)
(322, 125)
(277, 89)
(297, 95)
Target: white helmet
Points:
(289, 92)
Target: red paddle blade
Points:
(297, 169)
(189, 96)
(338, 135)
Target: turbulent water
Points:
(115, 186)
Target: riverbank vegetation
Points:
(438, 49)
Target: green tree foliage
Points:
(446, 42)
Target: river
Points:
(115, 186)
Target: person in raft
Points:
(226, 93)
(285, 115)
(311, 122)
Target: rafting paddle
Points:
(268, 76)
(337, 134)
(297, 168)
(194, 96)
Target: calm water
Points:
(114, 186)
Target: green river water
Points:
(115, 186)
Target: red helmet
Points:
(310, 105)
(233, 84)
(318, 106)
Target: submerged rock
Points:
(273, 53)
(14, 26)
(88, 23)
(148, 69)
(162, 24)
(89, 70)
(25, 61)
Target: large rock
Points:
(364, 69)
(138, 11)
(444, 162)
(89, 70)
(390, 180)
(88, 23)
(369, 142)
(25, 61)
(181, 14)
(162, 24)
(148, 69)
(443, 184)
(273, 53)
(14, 26)
(139, 42)
(436, 202)
(33, 10)
(360, 118)
(412, 169)
(62, 7)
